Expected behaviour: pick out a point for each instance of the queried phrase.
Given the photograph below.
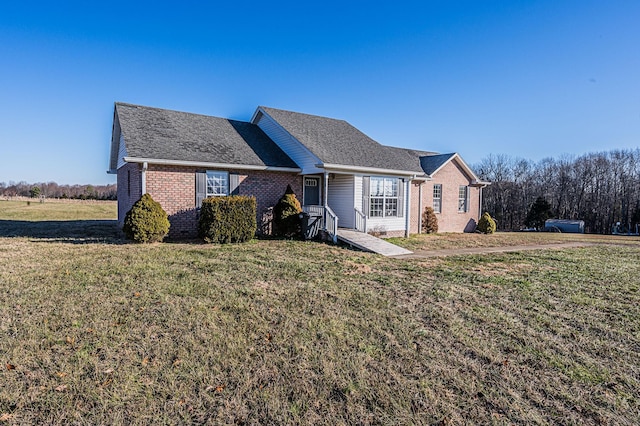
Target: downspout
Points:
(480, 204)
(408, 215)
(145, 166)
(420, 207)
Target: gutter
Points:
(374, 170)
(211, 165)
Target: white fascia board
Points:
(255, 115)
(210, 165)
(464, 165)
(339, 168)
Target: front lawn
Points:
(277, 332)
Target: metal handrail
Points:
(360, 220)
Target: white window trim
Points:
(465, 200)
(217, 172)
(439, 209)
(384, 197)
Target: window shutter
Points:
(365, 195)
(468, 201)
(234, 182)
(201, 187)
(400, 197)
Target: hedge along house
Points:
(335, 170)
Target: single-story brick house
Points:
(335, 170)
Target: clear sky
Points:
(522, 78)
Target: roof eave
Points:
(372, 170)
(188, 163)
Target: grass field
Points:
(58, 210)
(94, 331)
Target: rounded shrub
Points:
(286, 217)
(146, 222)
(486, 224)
(429, 221)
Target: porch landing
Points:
(370, 243)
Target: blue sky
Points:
(523, 78)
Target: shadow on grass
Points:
(66, 231)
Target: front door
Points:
(311, 191)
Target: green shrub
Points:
(229, 219)
(429, 221)
(486, 224)
(286, 217)
(146, 222)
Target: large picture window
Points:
(463, 199)
(217, 183)
(437, 198)
(383, 197)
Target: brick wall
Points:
(129, 188)
(451, 176)
(174, 187)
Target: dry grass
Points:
(58, 210)
(283, 332)
(428, 242)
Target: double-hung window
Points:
(437, 198)
(383, 197)
(217, 183)
(463, 199)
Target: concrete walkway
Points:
(370, 243)
(484, 250)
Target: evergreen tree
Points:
(429, 221)
(285, 215)
(539, 212)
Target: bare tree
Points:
(600, 188)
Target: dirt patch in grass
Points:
(286, 332)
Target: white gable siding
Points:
(122, 152)
(340, 199)
(290, 145)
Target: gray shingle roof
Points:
(172, 135)
(338, 142)
(415, 158)
(432, 163)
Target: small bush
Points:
(486, 224)
(429, 221)
(228, 219)
(146, 222)
(286, 215)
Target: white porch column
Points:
(325, 197)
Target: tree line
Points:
(600, 188)
(54, 190)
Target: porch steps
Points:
(370, 243)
